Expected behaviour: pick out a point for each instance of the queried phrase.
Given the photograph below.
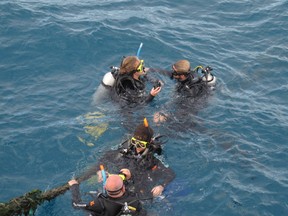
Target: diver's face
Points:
(140, 150)
(176, 76)
(180, 77)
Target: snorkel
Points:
(139, 49)
(103, 177)
(145, 122)
(146, 125)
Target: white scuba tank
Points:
(108, 79)
(210, 79)
(103, 89)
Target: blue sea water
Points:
(231, 160)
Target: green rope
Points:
(22, 205)
(28, 203)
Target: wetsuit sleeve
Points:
(92, 206)
(149, 98)
(167, 174)
(76, 197)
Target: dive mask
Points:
(141, 67)
(138, 143)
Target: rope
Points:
(27, 204)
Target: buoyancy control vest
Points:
(128, 204)
(191, 86)
(129, 89)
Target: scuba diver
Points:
(128, 83)
(150, 175)
(115, 201)
(192, 90)
(189, 82)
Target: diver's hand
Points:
(127, 173)
(155, 91)
(72, 182)
(99, 175)
(157, 190)
(159, 117)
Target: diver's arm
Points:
(74, 188)
(167, 174)
(152, 94)
(157, 190)
(163, 177)
(149, 98)
(76, 199)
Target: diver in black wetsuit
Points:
(192, 90)
(129, 84)
(150, 175)
(118, 200)
(189, 83)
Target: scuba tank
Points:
(109, 78)
(107, 83)
(208, 76)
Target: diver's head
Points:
(142, 136)
(131, 65)
(114, 186)
(181, 70)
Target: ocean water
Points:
(230, 159)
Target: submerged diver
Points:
(118, 200)
(150, 175)
(128, 82)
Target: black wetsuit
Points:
(191, 96)
(147, 170)
(193, 87)
(129, 90)
(105, 205)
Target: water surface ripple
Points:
(230, 155)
